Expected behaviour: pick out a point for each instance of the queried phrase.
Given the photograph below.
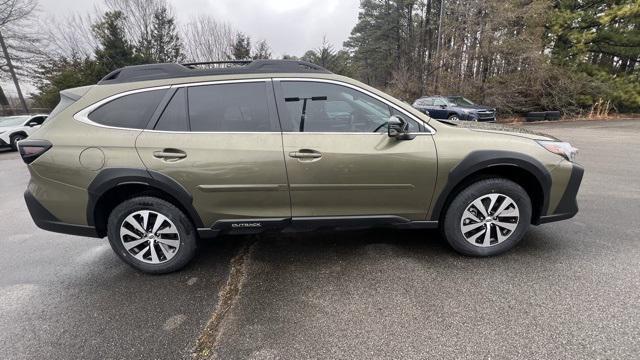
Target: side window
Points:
(35, 121)
(174, 116)
(322, 107)
(130, 111)
(424, 102)
(240, 107)
(439, 102)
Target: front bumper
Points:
(568, 206)
(45, 220)
(3, 143)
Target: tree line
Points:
(516, 55)
(133, 32)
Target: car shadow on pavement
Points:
(424, 244)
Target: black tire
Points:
(536, 116)
(13, 140)
(185, 229)
(453, 216)
(454, 117)
(552, 115)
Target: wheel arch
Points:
(520, 168)
(19, 132)
(112, 186)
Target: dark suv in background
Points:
(454, 108)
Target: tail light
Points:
(32, 149)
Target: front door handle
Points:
(170, 154)
(305, 154)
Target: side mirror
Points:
(398, 128)
(443, 106)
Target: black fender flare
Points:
(20, 132)
(485, 159)
(110, 178)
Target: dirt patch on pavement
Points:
(227, 297)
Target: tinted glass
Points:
(321, 107)
(460, 101)
(38, 120)
(174, 116)
(230, 107)
(424, 102)
(130, 111)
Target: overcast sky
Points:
(290, 26)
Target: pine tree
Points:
(61, 74)
(165, 41)
(241, 48)
(262, 50)
(114, 51)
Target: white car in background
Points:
(19, 127)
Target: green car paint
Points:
(256, 175)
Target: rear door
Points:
(340, 160)
(222, 142)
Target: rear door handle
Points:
(305, 154)
(170, 154)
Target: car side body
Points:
(454, 108)
(19, 127)
(276, 177)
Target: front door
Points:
(222, 143)
(340, 160)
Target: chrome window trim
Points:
(270, 132)
(213, 132)
(221, 82)
(83, 115)
(430, 130)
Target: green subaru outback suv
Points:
(156, 157)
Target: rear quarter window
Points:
(131, 111)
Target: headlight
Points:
(563, 149)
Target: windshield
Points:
(460, 101)
(12, 120)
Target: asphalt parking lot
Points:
(569, 290)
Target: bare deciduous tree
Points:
(71, 37)
(18, 25)
(139, 16)
(206, 39)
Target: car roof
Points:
(172, 71)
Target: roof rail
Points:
(172, 70)
(228, 62)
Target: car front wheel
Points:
(488, 218)
(152, 235)
(14, 140)
(454, 117)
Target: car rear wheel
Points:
(14, 140)
(454, 117)
(488, 218)
(151, 235)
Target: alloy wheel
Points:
(150, 237)
(490, 220)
